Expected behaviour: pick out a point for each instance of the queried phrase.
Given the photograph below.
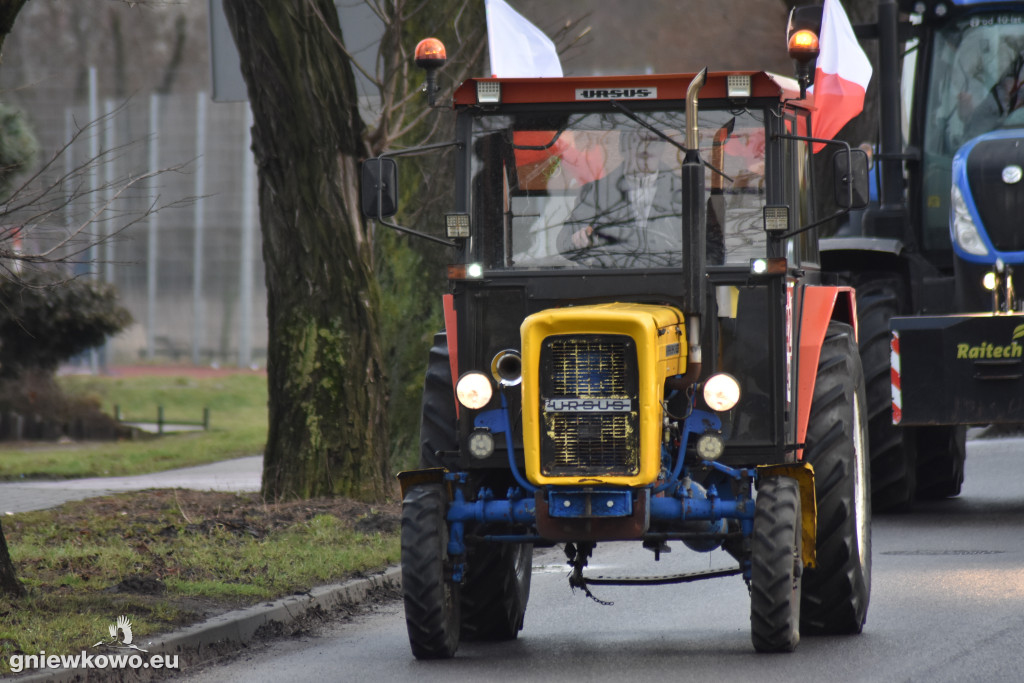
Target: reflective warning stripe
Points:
(894, 375)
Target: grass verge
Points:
(166, 558)
(238, 427)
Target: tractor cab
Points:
(973, 122)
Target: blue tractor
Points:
(933, 258)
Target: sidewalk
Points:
(240, 474)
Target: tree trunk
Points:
(327, 391)
(8, 13)
(9, 584)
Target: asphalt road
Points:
(947, 604)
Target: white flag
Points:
(518, 49)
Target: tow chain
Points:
(578, 560)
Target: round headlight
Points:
(481, 443)
(721, 392)
(710, 447)
(989, 282)
(474, 390)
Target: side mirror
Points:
(850, 170)
(379, 182)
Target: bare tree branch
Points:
(35, 212)
(341, 45)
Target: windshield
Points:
(975, 87)
(598, 190)
(976, 79)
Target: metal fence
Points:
(191, 273)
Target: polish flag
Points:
(842, 75)
(518, 49)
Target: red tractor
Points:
(640, 345)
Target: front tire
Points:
(496, 591)
(776, 566)
(431, 600)
(836, 592)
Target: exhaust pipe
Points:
(694, 219)
(692, 93)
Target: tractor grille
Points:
(1000, 205)
(591, 425)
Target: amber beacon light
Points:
(430, 56)
(803, 49)
(803, 45)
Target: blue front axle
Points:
(672, 502)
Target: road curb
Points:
(238, 627)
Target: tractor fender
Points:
(803, 473)
(819, 305)
(874, 245)
(851, 255)
(451, 328)
(430, 475)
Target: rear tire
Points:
(776, 566)
(496, 590)
(431, 600)
(836, 593)
(438, 421)
(941, 452)
(893, 451)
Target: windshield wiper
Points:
(628, 112)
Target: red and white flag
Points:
(842, 74)
(517, 48)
